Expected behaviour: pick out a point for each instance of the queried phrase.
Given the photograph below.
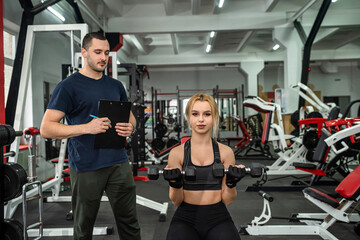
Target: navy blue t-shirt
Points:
(78, 96)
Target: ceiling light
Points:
(333, 0)
(56, 13)
(117, 62)
(221, 3)
(212, 34)
(276, 46)
(208, 48)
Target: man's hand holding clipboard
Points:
(118, 112)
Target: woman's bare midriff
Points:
(202, 197)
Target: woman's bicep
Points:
(174, 159)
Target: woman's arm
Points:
(176, 195)
(227, 156)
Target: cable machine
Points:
(159, 107)
(135, 73)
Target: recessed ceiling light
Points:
(56, 13)
(276, 47)
(221, 3)
(208, 48)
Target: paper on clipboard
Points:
(116, 111)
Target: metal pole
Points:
(179, 109)
(307, 48)
(72, 49)
(152, 112)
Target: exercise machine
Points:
(332, 138)
(274, 133)
(310, 97)
(250, 142)
(314, 224)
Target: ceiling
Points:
(170, 32)
(177, 32)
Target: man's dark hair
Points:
(89, 37)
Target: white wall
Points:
(344, 82)
(206, 78)
(192, 78)
(270, 76)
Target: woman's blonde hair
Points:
(213, 106)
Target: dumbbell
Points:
(219, 170)
(189, 173)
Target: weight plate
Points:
(160, 130)
(157, 144)
(14, 178)
(171, 120)
(310, 139)
(7, 134)
(177, 128)
(13, 229)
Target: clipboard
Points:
(116, 111)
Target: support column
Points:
(251, 70)
(287, 37)
(2, 76)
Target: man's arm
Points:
(52, 128)
(132, 119)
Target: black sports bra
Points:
(205, 179)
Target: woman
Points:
(202, 212)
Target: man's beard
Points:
(96, 68)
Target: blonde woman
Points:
(202, 212)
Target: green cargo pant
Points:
(88, 188)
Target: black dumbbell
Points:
(219, 170)
(189, 173)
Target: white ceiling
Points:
(167, 32)
(176, 32)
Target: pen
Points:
(93, 116)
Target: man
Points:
(93, 170)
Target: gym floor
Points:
(246, 206)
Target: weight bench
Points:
(316, 223)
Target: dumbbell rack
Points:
(9, 228)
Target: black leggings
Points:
(210, 222)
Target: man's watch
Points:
(133, 131)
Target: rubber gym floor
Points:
(246, 206)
